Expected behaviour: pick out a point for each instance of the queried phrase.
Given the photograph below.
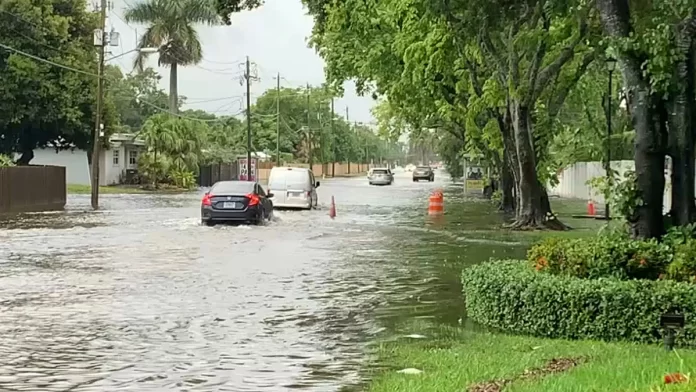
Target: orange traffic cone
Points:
(332, 210)
(590, 208)
(436, 203)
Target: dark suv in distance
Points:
(423, 173)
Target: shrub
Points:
(6, 161)
(683, 267)
(183, 178)
(510, 296)
(609, 255)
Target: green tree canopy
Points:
(41, 104)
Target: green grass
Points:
(452, 359)
(455, 358)
(118, 189)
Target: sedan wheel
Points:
(262, 218)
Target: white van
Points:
(293, 187)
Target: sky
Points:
(275, 37)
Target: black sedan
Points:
(236, 201)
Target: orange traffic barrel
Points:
(436, 204)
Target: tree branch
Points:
(550, 72)
(557, 100)
(686, 32)
(486, 43)
(533, 71)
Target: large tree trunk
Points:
(533, 212)
(648, 115)
(510, 163)
(173, 89)
(649, 157)
(507, 185)
(26, 157)
(681, 143)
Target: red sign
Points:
(242, 165)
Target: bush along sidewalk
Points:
(511, 296)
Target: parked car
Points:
(293, 187)
(380, 176)
(423, 173)
(236, 201)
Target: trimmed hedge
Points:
(511, 296)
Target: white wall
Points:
(75, 162)
(76, 167)
(573, 181)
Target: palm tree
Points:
(159, 136)
(171, 29)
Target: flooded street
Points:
(141, 297)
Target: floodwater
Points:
(140, 297)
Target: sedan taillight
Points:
(207, 200)
(253, 199)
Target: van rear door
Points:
(290, 186)
(276, 185)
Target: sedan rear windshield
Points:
(233, 188)
(423, 168)
(378, 171)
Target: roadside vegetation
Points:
(297, 119)
(525, 85)
(6, 161)
(459, 359)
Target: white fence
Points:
(573, 181)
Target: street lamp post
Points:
(611, 65)
(139, 50)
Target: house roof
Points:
(126, 138)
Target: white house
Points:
(115, 164)
(121, 161)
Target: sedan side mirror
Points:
(318, 183)
(269, 195)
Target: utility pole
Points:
(100, 99)
(350, 157)
(247, 76)
(333, 145)
(278, 121)
(309, 133)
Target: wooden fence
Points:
(209, 175)
(32, 188)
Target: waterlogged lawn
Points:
(454, 354)
(454, 359)
(79, 189)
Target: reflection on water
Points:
(139, 296)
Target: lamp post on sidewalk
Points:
(611, 65)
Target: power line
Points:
(68, 68)
(204, 100)
(49, 62)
